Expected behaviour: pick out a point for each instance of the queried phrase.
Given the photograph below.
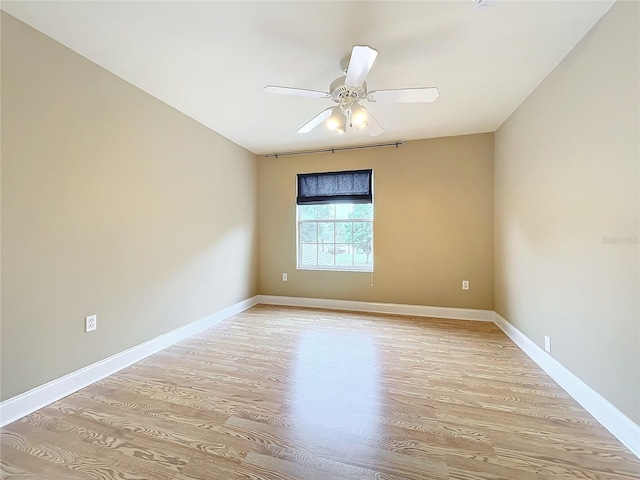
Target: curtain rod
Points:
(336, 149)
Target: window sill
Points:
(335, 269)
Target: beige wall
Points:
(112, 203)
(116, 204)
(433, 209)
(566, 177)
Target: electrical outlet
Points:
(90, 323)
(465, 284)
(547, 344)
(284, 277)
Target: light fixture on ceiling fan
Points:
(349, 91)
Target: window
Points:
(335, 221)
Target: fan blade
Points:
(315, 121)
(362, 58)
(373, 127)
(298, 92)
(404, 95)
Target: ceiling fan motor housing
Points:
(341, 93)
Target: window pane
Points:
(343, 232)
(335, 236)
(363, 254)
(325, 212)
(344, 211)
(309, 232)
(307, 212)
(362, 232)
(344, 256)
(325, 232)
(326, 256)
(308, 254)
(362, 211)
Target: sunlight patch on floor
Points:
(336, 381)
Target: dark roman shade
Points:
(353, 186)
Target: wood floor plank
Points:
(316, 449)
(462, 467)
(10, 471)
(38, 468)
(282, 393)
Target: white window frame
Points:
(333, 268)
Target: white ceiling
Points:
(210, 60)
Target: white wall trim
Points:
(392, 308)
(609, 416)
(17, 407)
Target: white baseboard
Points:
(25, 403)
(609, 416)
(391, 308)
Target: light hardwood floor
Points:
(287, 393)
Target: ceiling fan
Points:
(348, 91)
